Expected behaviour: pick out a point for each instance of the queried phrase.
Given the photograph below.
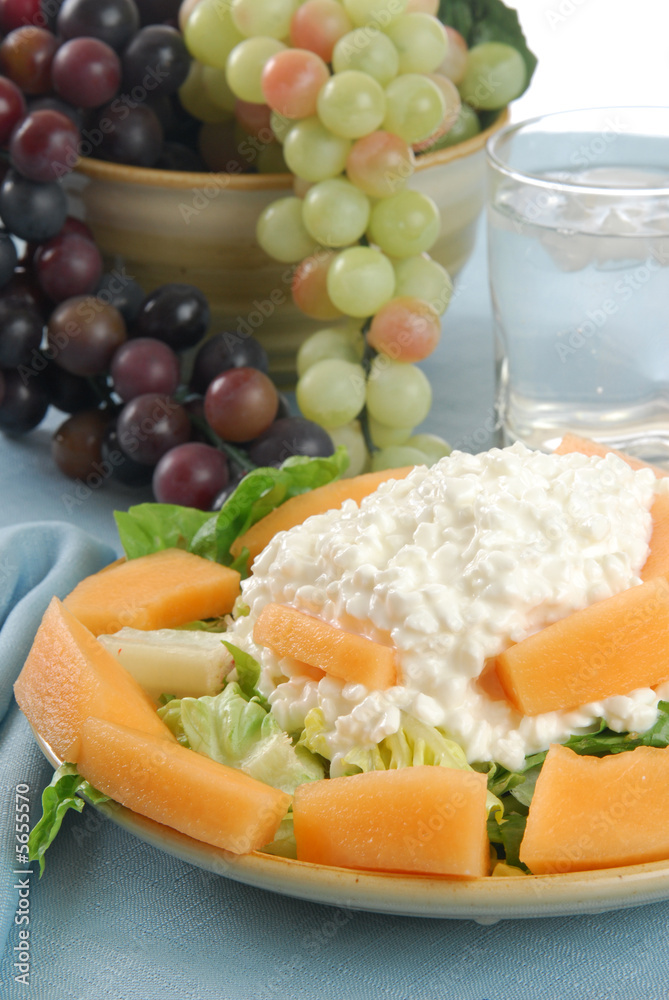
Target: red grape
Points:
(151, 425)
(76, 227)
(45, 146)
(224, 351)
(84, 334)
(86, 72)
(144, 365)
(253, 118)
(177, 314)
(67, 266)
(12, 108)
(26, 55)
(291, 82)
(24, 404)
(76, 447)
(318, 25)
(18, 13)
(240, 404)
(191, 475)
(310, 293)
(122, 468)
(405, 329)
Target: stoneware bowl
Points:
(165, 226)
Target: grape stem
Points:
(236, 454)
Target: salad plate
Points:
(485, 900)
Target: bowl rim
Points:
(102, 170)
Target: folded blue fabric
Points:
(115, 917)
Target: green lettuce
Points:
(150, 527)
(247, 669)
(63, 793)
(481, 21)
(239, 732)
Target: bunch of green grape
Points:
(352, 91)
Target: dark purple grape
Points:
(8, 258)
(30, 210)
(51, 103)
(222, 352)
(151, 425)
(20, 335)
(24, 404)
(118, 290)
(112, 21)
(158, 11)
(290, 436)
(76, 447)
(23, 290)
(12, 108)
(75, 227)
(26, 55)
(285, 409)
(177, 156)
(119, 466)
(45, 146)
(67, 392)
(144, 365)
(227, 492)
(84, 334)
(16, 13)
(86, 72)
(2, 387)
(191, 475)
(49, 14)
(240, 404)
(67, 266)
(156, 60)
(128, 134)
(176, 314)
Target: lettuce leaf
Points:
(239, 732)
(248, 673)
(150, 527)
(63, 793)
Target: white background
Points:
(594, 53)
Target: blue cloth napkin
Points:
(114, 917)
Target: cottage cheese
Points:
(451, 565)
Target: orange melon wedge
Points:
(597, 812)
(353, 658)
(584, 446)
(161, 590)
(423, 819)
(68, 676)
(296, 510)
(609, 648)
(180, 788)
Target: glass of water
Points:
(578, 231)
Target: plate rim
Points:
(485, 900)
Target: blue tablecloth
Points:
(114, 917)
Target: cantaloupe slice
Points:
(353, 658)
(597, 812)
(161, 590)
(584, 446)
(68, 676)
(412, 819)
(296, 510)
(609, 648)
(180, 788)
(657, 563)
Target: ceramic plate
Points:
(484, 900)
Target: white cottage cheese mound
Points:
(451, 565)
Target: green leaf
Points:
(508, 831)
(481, 21)
(248, 673)
(57, 798)
(150, 527)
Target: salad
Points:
(434, 577)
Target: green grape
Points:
(280, 126)
(421, 277)
(380, 13)
(495, 75)
(383, 436)
(466, 126)
(431, 445)
(360, 280)
(216, 87)
(270, 18)
(281, 233)
(336, 213)
(351, 104)
(270, 159)
(314, 153)
(398, 394)
(415, 107)
(420, 40)
(396, 457)
(332, 392)
(351, 436)
(331, 342)
(245, 65)
(368, 51)
(195, 99)
(405, 224)
(210, 34)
